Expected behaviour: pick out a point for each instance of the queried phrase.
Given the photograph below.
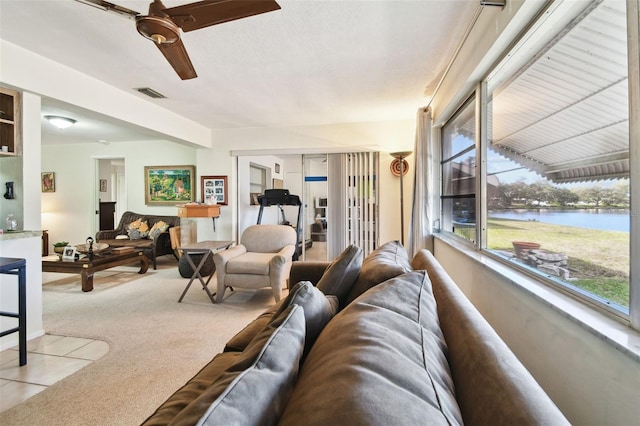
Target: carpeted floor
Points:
(156, 344)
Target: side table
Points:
(15, 266)
(206, 248)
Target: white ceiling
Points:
(310, 63)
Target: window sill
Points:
(622, 337)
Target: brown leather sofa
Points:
(152, 247)
(406, 347)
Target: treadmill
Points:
(280, 198)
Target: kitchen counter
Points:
(14, 235)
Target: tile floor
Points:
(50, 358)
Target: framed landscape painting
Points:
(214, 190)
(169, 184)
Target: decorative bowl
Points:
(97, 247)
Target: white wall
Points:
(248, 214)
(105, 173)
(386, 136)
(390, 200)
(69, 212)
(291, 171)
(591, 382)
(28, 71)
(27, 248)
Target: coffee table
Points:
(86, 268)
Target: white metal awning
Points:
(565, 114)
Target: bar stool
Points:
(15, 266)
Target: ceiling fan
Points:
(164, 25)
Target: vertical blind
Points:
(353, 192)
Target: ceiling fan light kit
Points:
(164, 25)
(157, 29)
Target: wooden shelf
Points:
(10, 123)
(202, 210)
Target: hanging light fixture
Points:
(60, 122)
(399, 167)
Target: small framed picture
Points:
(69, 254)
(103, 185)
(214, 190)
(277, 168)
(48, 180)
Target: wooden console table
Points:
(86, 268)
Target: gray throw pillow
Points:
(318, 310)
(342, 273)
(387, 261)
(254, 390)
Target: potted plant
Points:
(59, 247)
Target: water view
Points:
(603, 219)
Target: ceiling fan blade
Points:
(111, 7)
(202, 14)
(177, 56)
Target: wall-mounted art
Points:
(48, 180)
(214, 190)
(169, 184)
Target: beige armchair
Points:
(262, 259)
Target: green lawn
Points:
(598, 260)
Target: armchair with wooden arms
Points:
(262, 259)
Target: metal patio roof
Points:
(565, 115)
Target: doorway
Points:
(315, 193)
(110, 192)
(304, 176)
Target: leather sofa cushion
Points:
(318, 310)
(342, 273)
(241, 340)
(387, 261)
(257, 386)
(308, 270)
(192, 389)
(492, 385)
(390, 368)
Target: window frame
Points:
(480, 92)
(472, 98)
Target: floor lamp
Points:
(399, 167)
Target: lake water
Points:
(604, 219)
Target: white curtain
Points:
(421, 211)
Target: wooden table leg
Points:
(87, 280)
(144, 264)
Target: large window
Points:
(556, 193)
(459, 173)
